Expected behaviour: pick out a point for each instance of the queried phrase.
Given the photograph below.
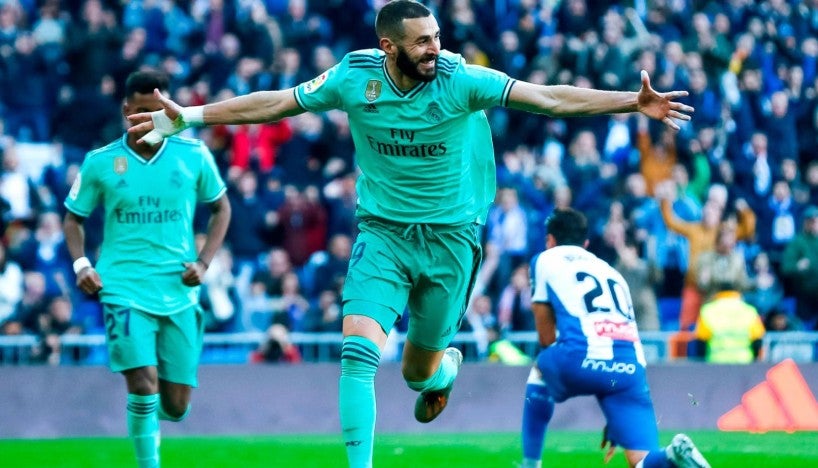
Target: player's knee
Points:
(173, 411)
(142, 381)
(417, 372)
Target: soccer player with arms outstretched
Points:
(584, 315)
(423, 145)
(149, 272)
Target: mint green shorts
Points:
(429, 268)
(171, 343)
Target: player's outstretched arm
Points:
(570, 101)
(258, 107)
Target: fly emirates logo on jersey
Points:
(402, 143)
(624, 331)
(150, 211)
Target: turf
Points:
(563, 449)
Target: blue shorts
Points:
(621, 388)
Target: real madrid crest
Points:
(373, 90)
(433, 113)
(120, 164)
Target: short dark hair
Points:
(568, 227)
(145, 81)
(389, 22)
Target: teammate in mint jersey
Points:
(584, 316)
(427, 176)
(149, 271)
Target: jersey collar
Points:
(139, 158)
(408, 94)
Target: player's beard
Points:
(412, 68)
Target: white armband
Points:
(80, 264)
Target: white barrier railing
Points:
(322, 347)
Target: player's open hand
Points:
(194, 273)
(662, 106)
(157, 125)
(88, 280)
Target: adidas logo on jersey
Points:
(121, 184)
(370, 108)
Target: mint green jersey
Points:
(149, 207)
(425, 154)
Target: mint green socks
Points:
(442, 378)
(143, 428)
(359, 362)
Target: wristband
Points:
(81, 264)
(193, 116)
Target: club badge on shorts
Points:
(120, 164)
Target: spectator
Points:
(18, 190)
(249, 227)
(325, 316)
(276, 347)
(91, 44)
(701, 237)
(100, 123)
(53, 324)
(290, 307)
(514, 305)
(256, 146)
(722, 265)
(506, 228)
(642, 277)
(219, 297)
(269, 278)
(780, 128)
(25, 91)
(47, 253)
(766, 291)
(479, 319)
(331, 273)
(26, 318)
(11, 286)
(755, 171)
(303, 222)
(341, 199)
(729, 328)
(799, 265)
(656, 161)
(778, 221)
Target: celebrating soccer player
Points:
(424, 148)
(149, 272)
(584, 317)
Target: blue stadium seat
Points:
(669, 309)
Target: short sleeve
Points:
(487, 87)
(84, 194)
(539, 288)
(211, 186)
(322, 92)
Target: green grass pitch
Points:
(563, 449)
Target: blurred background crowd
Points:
(727, 204)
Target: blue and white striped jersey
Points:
(591, 301)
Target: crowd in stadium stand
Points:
(730, 201)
